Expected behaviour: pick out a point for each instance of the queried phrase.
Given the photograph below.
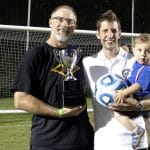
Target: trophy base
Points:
(73, 95)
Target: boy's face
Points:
(142, 53)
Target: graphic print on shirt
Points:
(60, 69)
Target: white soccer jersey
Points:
(109, 133)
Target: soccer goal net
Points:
(15, 40)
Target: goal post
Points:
(14, 41)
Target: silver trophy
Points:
(68, 58)
(72, 93)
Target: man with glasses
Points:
(38, 89)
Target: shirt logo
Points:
(60, 69)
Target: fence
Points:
(15, 40)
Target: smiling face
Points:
(142, 53)
(63, 24)
(109, 34)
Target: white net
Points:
(13, 44)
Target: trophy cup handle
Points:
(57, 56)
(79, 51)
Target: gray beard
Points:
(62, 38)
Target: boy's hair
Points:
(108, 16)
(142, 38)
(64, 6)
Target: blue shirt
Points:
(143, 79)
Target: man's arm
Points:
(145, 104)
(131, 104)
(128, 105)
(35, 106)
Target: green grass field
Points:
(15, 128)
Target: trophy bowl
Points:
(68, 58)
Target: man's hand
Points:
(129, 104)
(72, 111)
(36, 106)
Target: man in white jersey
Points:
(109, 133)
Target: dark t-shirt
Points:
(40, 75)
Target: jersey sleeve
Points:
(26, 76)
(144, 80)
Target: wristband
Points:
(60, 112)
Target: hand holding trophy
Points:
(72, 93)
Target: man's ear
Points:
(97, 34)
(120, 34)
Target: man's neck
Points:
(111, 53)
(55, 43)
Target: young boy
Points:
(138, 84)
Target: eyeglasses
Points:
(61, 20)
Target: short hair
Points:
(108, 16)
(64, 6)
(142, 38)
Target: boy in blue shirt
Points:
(138, 84)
